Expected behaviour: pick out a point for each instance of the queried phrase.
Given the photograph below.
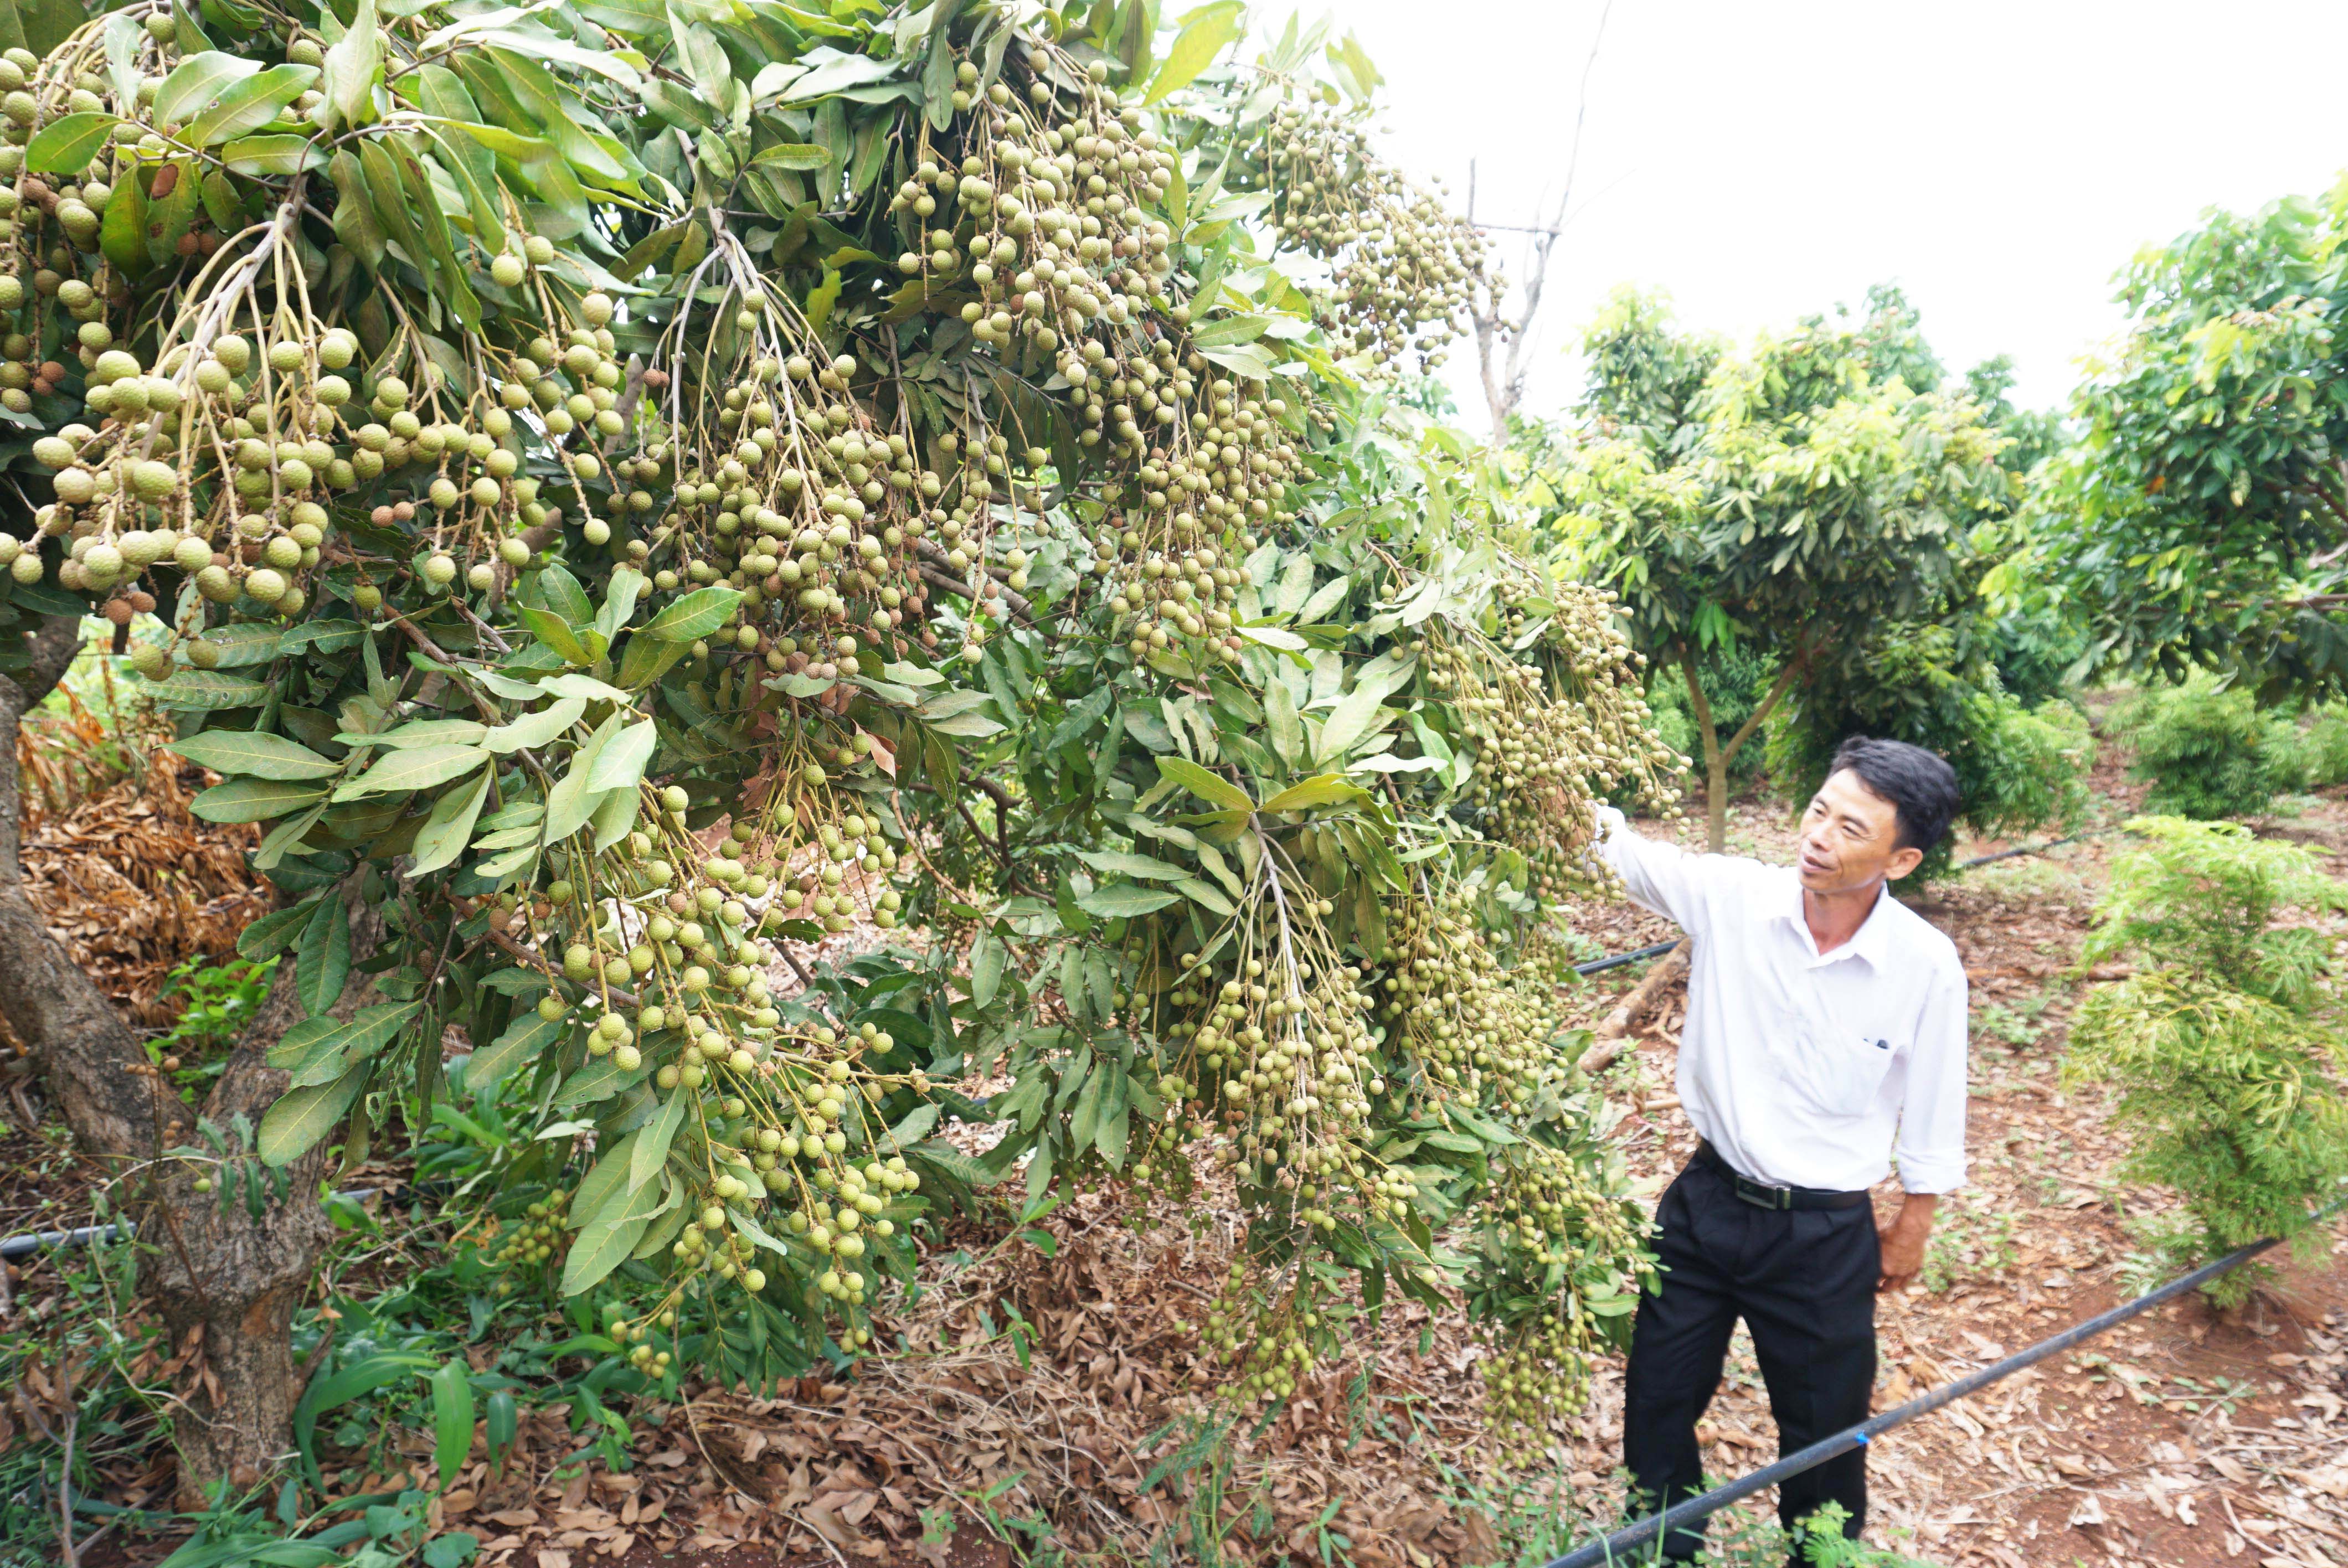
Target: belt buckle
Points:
(1764, 1197)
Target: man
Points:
(1824, 1019)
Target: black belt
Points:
(1762, 1196)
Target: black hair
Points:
(1921, 785)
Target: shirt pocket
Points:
(1837, 1072)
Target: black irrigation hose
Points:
(1619, 960)
(2025, 849)
(31, 1242)
(1680, 1514)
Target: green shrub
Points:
(2020, 769)
(2324, 744)
(2206, 749)
(2312, 755)
(2222, 1045)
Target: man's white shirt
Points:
(1803, 1070)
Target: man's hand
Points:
(1903, 1240)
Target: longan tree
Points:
(622, 494)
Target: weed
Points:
(1967, 1243)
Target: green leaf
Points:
(262, 156)
(270, 935)
(250, 755)
(171, 216)
(66, 145)
(250, 643)
(322, 965)
(208, 692)
(693, 615)
(570, 803)
(320, 1049)
(1119, 863)
(446, 832)
(599, 1080)
(1125, 899)
(560, 592)
(603, 1245)
(987, 958)
(1208, 786)
(1273, 637)
(1203, 893)
(299, 1118)
(248, 104)
(1354, 719)
(282, 839)
(1203, 37)
(1281, 718)
(418, 768)
(536, 729)
(792, 155)
(1322, 789)
(614, 814)
(650, 1150)
(524, 1039)
(555, 633)
(621, 763)
(352, 66)
(122, 233)
(420, 733)
(452, 1418)
(619, 600)
(255, 799)
(971, 726)
(195, 82)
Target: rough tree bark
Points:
(225, 1285)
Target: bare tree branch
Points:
(1503, 375)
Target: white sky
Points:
(1999, 160)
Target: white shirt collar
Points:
(1868, 942)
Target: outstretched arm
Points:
(1661, 876)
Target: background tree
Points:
(2200, 519)
(1783, 499)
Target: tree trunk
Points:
(1716, 756)
(94, 1065)
(228, 1284)
(1715, 763)
(225, 1284)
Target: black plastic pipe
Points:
(1609, 1549)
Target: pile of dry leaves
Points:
(1051, 1387)
(133, 883)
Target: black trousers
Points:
(1804, 1282)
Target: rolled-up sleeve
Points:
(1931, 1147)
(1661, 876)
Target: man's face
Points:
(1850, 838)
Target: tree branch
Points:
(1777, 689)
